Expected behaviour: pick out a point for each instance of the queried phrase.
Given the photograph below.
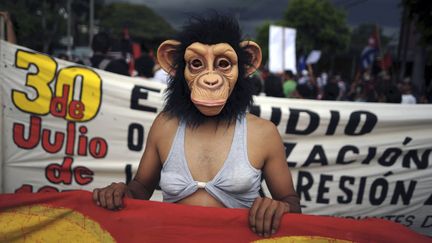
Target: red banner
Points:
(72, 217)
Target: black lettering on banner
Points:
(401, 192)
(412, 155)
(334, 121)
(406, 220)
(128, 173)
(428, 201)
(376, 197)
(427, 222)
(135, 132)
(276, 115)
(389, 156)
(388, 217)
(317, 155)
(361, 190)
(289, 147)
(341, 155)
(323, 189)
(370, 155)
(345, 189)
(138, 93)
(354, 123)
(294, 118)
(409, 220)
(399, 218)
(304, 184)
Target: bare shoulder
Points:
(261, 128)
(264, 140)
(163, 123)
(162, 133)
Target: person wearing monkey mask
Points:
(204, 148)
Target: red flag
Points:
(386, 61)
(73, 217)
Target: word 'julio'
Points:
(97, 146)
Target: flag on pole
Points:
(372, 50)
(368, 55)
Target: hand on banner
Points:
(111, 197)
(265, 215)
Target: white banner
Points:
(66, 126)
(282, 49)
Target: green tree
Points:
(141, 21)
(38, 24)
(262, 38)
(319, 25)
(420, 12)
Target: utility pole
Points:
(69, 29)
(2, 29)
(91, 21)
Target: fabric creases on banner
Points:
(72, 217)
(66, 126)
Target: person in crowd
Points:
(10, 31)
(307, 87)
(386, 90)
(63, 56)
(144, 66)
(407, 92)
(331, 91)
(363, 88)
(426, 97)
(289, 85)
(272, 84)
(342, 87)
(321, 82)
(304, 77)
(101, 45)
(256, 83)
(160, 75)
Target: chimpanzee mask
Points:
(209, 65)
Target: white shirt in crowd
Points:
(408, 99)
(161, 76)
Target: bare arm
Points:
(148, 174)
(145, 180)
(277, 174)
(266, 213)
(10, 32)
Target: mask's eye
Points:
(196, 64)
(223, 64)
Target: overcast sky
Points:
(252, 13)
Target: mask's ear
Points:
(255, 51)
(165, 56)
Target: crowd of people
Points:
(139, 64)
(142, 64)
(365, 87)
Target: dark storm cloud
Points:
(253, 13)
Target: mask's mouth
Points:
(208, 103)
